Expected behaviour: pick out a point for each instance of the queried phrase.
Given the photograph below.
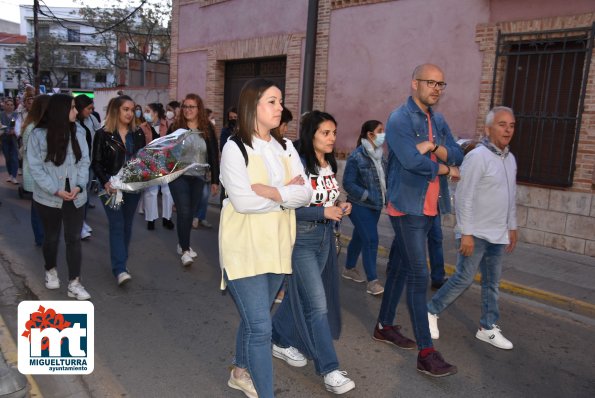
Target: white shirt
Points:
(234, 177)
(485, 196)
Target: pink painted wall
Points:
(374, 49)
(515, 10)
(240, 19)
(192, 74)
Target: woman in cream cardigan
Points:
(264, 180)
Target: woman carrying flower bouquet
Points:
(114, 144)
(187, 189)
(156, 126)
(265, 181)
(58, 160)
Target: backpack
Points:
(242, 147)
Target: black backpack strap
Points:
(240, 145)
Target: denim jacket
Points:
(361, 181)
(409, 172)
(49, 178)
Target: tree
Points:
(141, 32)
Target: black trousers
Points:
(52, 219)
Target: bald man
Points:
(422, 154)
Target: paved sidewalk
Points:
(562, 279)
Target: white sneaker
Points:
(195, 223)
(14, 181)
(291, 355)
(75, 289)
(192, 252)
(494, 337)
(433, 322)
(85, 234)
(51, 279)
(87, 227)
(123, 278)
(337, 383)
(187, 258)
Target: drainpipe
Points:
(310, 57)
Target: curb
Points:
(556, 300)
(10, 352)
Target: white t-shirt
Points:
(325, 187)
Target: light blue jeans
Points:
(488, 258)
(254, 297)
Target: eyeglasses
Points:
(433, 84)
(189, 107)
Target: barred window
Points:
(542, 76)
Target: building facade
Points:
(73, 58)
(11, 77)
(535, 56)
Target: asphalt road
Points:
(170, 331)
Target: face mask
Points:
(137, 113)
(169, 114)
(379, 139)
(232, 123)
(148, 117)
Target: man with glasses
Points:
(422, 154)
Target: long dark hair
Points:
(81, 101)
(249, 97)
(367, 127)
(309, 124)
(60, 130)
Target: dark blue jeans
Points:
(364, 239)
(120, 230)
(11, 153)
(309, 258)
(408, 267)
(435, 251)
(254, 297)
(186, 192)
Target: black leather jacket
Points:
(109, 153)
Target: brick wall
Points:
(562, 219)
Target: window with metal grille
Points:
(542, 77)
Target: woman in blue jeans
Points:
(365, 183)
(187, 189)
(264, 180)
(301, 324)
(117, 142)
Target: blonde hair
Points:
(113, 114)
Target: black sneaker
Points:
(168, 223)
(150, 225)
(434, 365)
(391, 335)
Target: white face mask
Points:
(213, 121)
(379, 139)
(148, 117)
(169, 114)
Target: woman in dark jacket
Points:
(365, 183)
(187, 189)
(114, 144)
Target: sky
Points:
(10, 8)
